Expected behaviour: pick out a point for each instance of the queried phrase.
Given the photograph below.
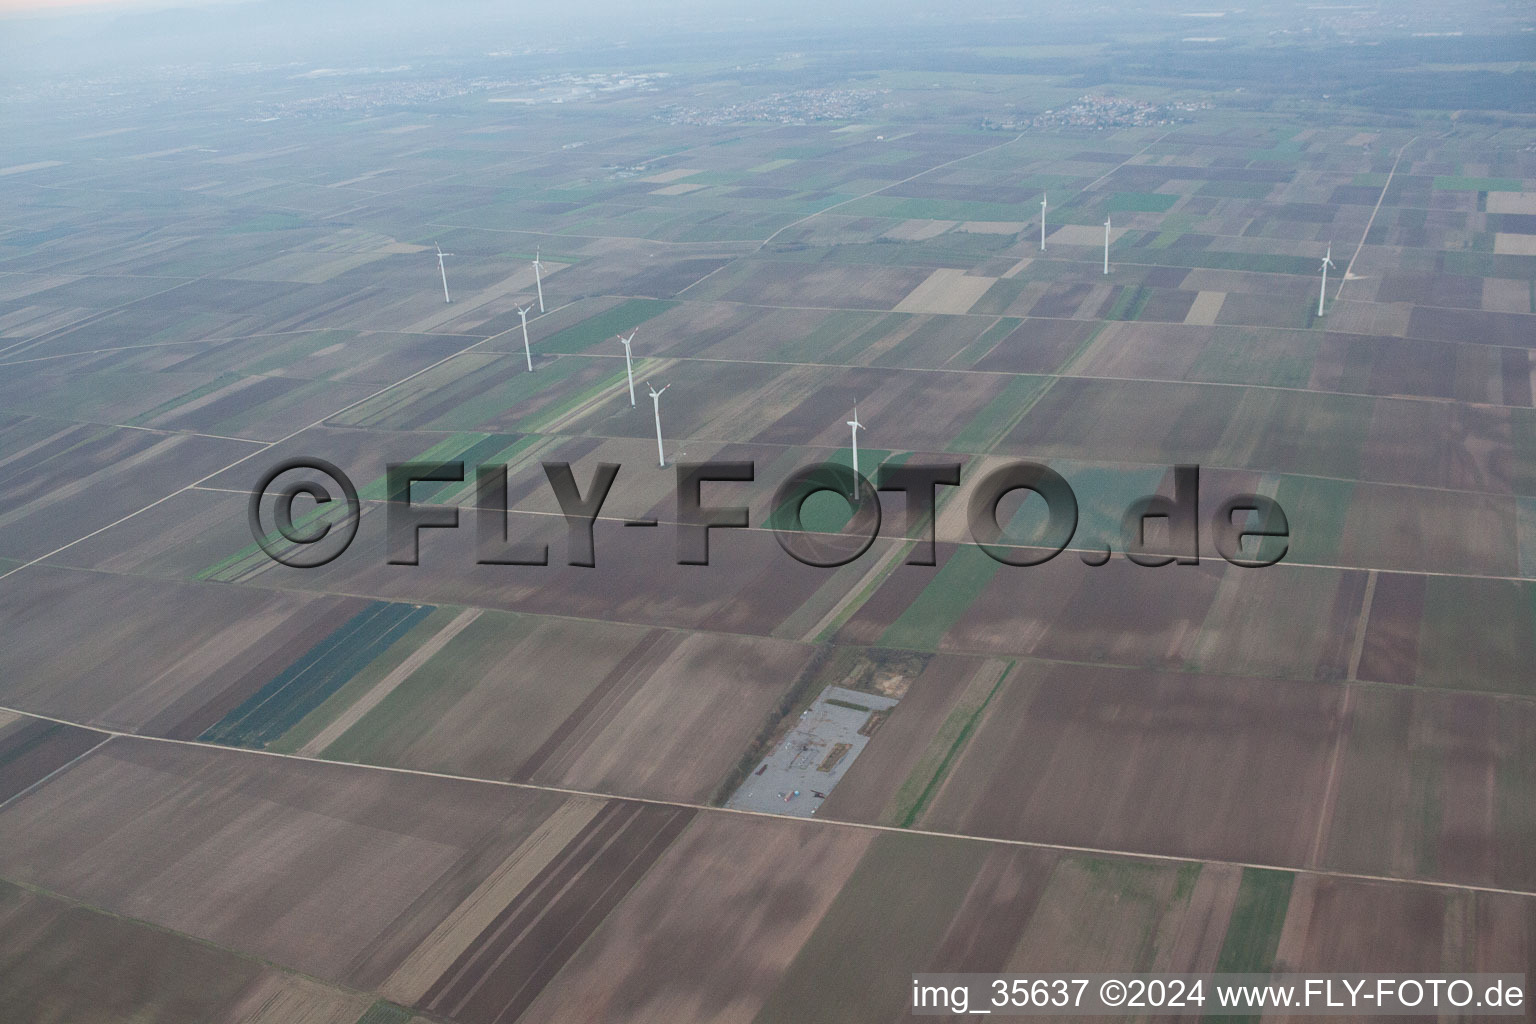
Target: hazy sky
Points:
(45, 6)
(74, 34)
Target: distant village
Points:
(803, 107)
(1102, 113)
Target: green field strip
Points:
(850, 350)
(1253, 262)
(1235, 189)
(328, 710)
(318, 673)
(235, 566)
(223, 380)
(1522, 430)
(995, 419)
(1103, 494)
(1525, 536)
(838, 590)
(413, 708)
(897, 558)
(1322, 504)
(1141, 202)
(511, 456)
(1459, 183)
(446, 450)
(1285, 148)
(605, 326)
(1253, 930)
(918, 788)
(1505, 266)
(517, 385)
(1129, 304)
(384, 1012)
(483, 450)
(1146, 886)
(540, 421)
(943, 601)
(826, 511)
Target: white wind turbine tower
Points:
(856, 427)
(443, 270)
(629, 369)
(1106, 245)
(661, 456)
(1323, 288)
(1042, 223)
(522, 311)
(538, 282)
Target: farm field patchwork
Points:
(471, 788)
(549, 896)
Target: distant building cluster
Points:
(361, 94)
(387, 92)
(803, 107)
(1102, 113)
(569, 87)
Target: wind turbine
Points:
(661, 456)
(522, 311)
(629, 370)
(538, 281)
(1323, 289)
(856, 427)
(1106, 245)
(443, 270)
(1042, 223)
